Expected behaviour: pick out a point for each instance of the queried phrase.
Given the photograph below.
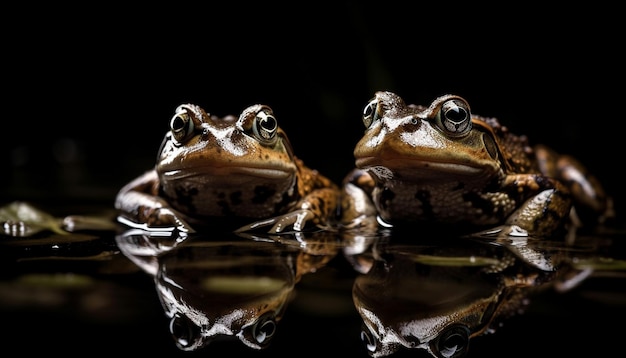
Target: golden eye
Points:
(454, 118)
(265, 126)
(371, 112)
(181, 125)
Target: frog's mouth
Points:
(227, 172)
(419, 168)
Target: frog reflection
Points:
(225, 287)
(436, 298)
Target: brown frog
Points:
(220, 286)
(211, 169)
(442, 165)
(438, 298)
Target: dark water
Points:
(86, 110)
(111, 288)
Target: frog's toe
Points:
(165, 217)
(503, 231)
(293, 221)
(256, 226)
(163, 220)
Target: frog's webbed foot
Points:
(520, 243)
(151, 211)
(159, 219)
(541, 216)
(297, 220)
(502, 232)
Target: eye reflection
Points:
(264, 329)
(185, 333)
(368, 339)
(452, 343)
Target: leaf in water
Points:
(454, 261)
(74, 223)
(21, 219)
(102, 256)
(243, 285)
(601, 263)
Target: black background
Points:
(106, 81)
(88, 93)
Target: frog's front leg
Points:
(545, 205)
(138, 202)
(295, 220)
(358, 211)
(317, 210)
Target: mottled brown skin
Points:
(211, 170)
(441, 165)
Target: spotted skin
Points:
(441, 165)
(212, 170)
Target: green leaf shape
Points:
(22, 219)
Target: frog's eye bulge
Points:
(181, 125)
(259, 335)
(454, 118)
(265, 126)
(259, 122)
(453, 342)
(185, 333)
(184, 123)
(264, 329)
(371, 112)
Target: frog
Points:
(443, 166)
(214, 290)
(235, 170)
(438, 299)
(221, 285)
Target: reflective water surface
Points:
(99, 285)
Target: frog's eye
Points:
(265, 126)
(451, 343)
(372, 112)
(374, 345)
(185, 333)
(181, 125)
(454, 118)
(261, 332)
(264, 329)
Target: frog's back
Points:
(589, 197)
(517, 154)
